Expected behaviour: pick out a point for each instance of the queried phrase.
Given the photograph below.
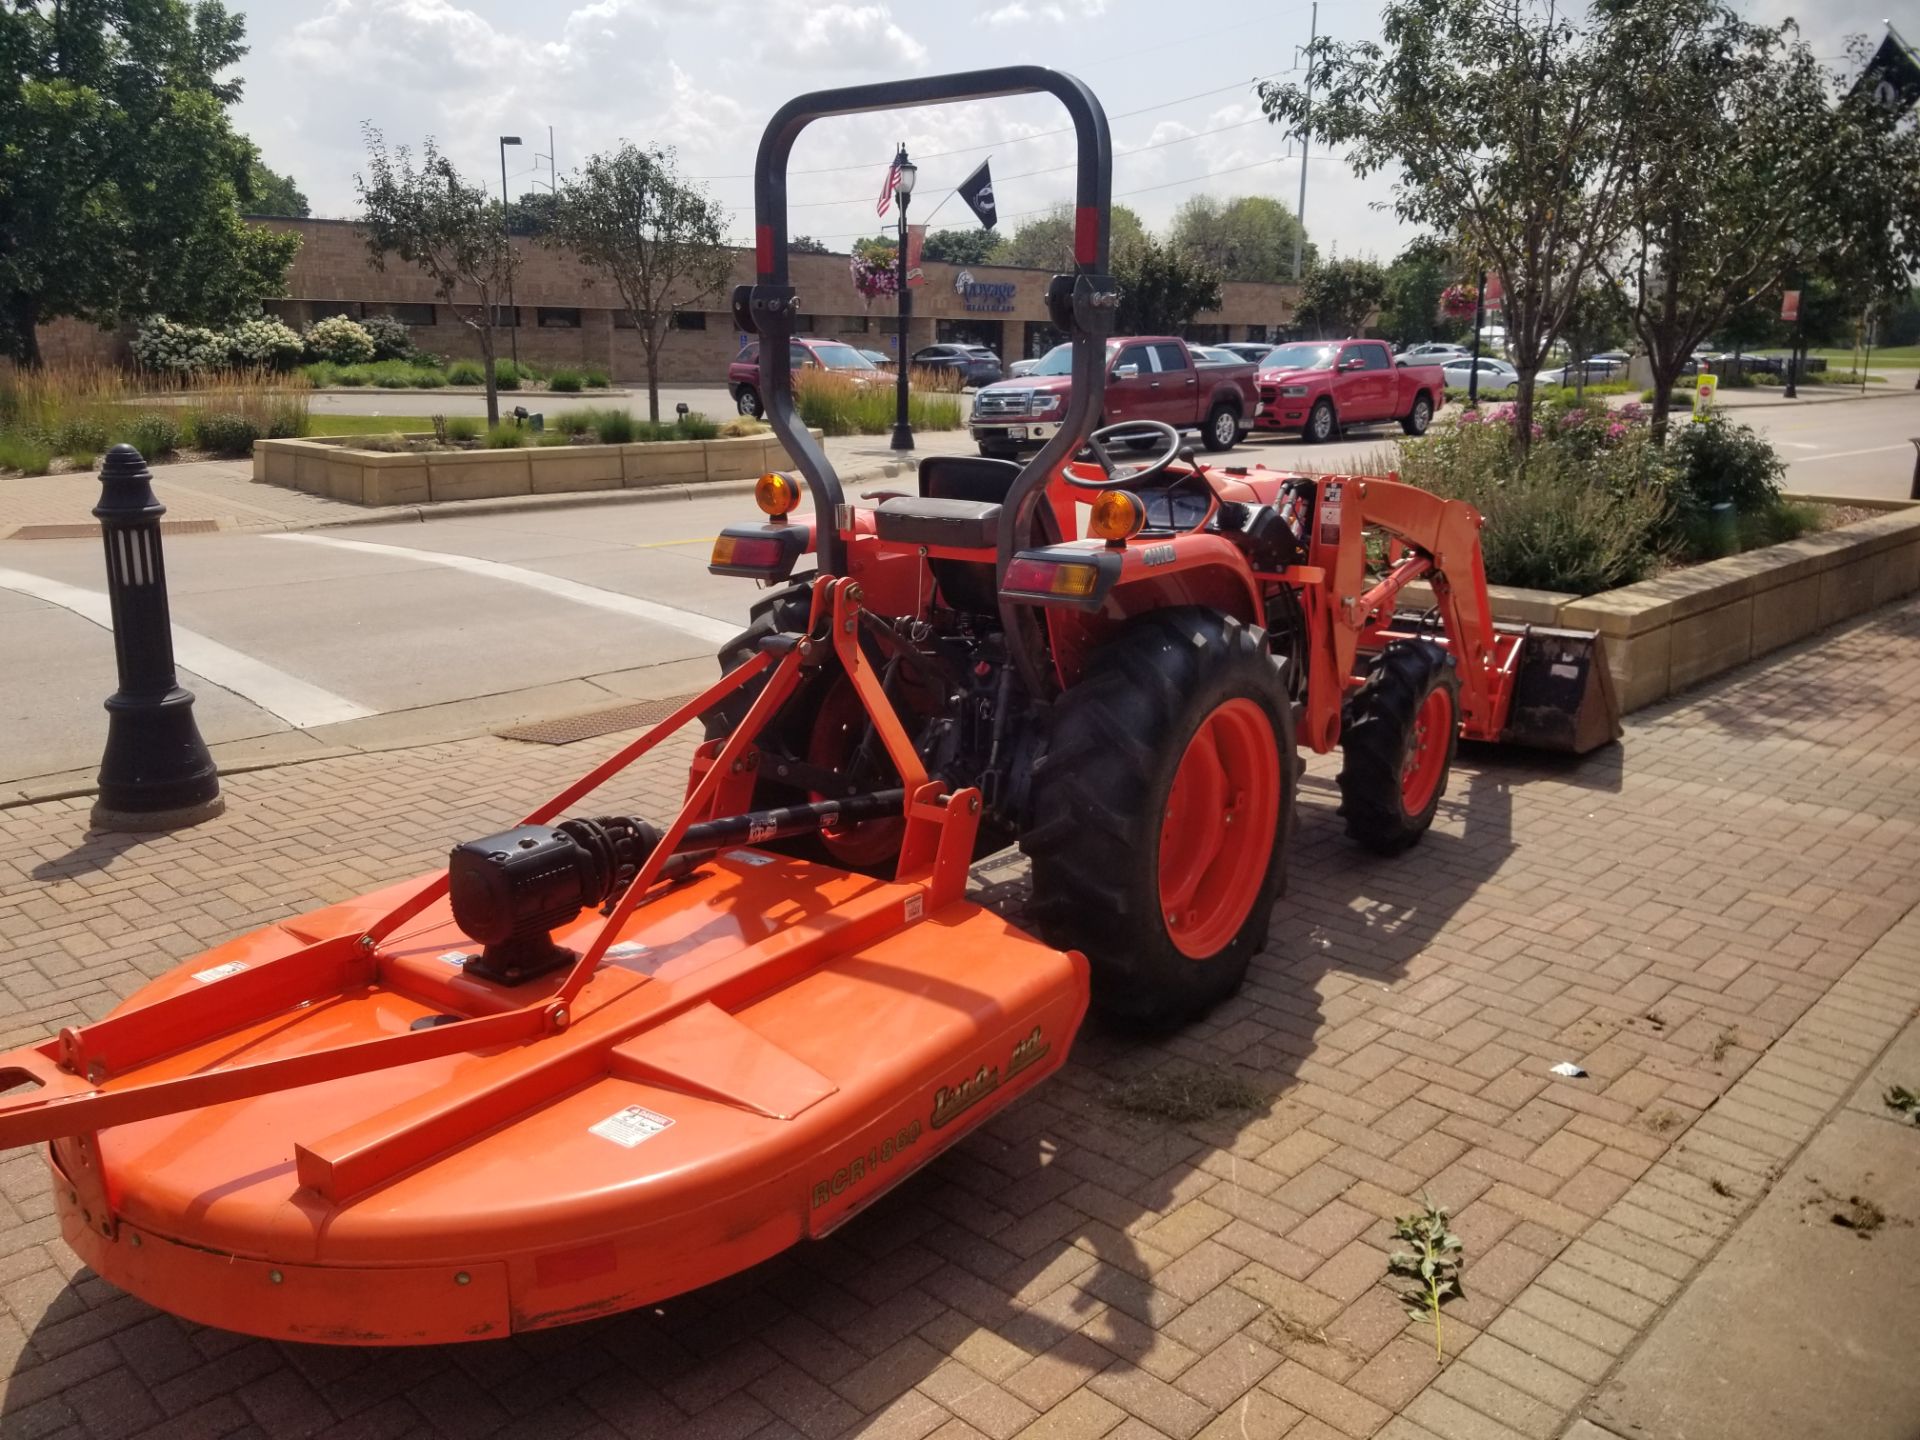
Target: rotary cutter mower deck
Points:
(600, 1061)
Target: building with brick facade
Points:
(568, 316)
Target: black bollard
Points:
(156, 773)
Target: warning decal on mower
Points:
(630, 1126)
(747, 857)
(219, 972)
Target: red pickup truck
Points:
(1149, 377)
(1318, 387)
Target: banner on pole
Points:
(916, 237)
(1790, 306)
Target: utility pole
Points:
(506, 238)
(1306, 121)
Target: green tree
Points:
(121, 175)
(1046, 243)
(1161, 287)
(532, 214)
(657, 239)
(806, 245)
(1337, 296)
(1414, 282)
(428, 217)
(271, 193)
(960, 247)
(1503, 122)
(1740, 158)
(1249, 237)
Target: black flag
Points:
(1892, 77)
(977, 191)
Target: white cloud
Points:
(845, 36)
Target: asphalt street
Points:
(421, 630)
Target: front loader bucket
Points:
(1562, 696)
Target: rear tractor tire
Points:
(1161, 812)
(1398, 741)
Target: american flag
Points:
(886, 186)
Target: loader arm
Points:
(1438, 541)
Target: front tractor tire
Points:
(1160, 815)
(1398, 740)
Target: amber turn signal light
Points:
(776, 494)
(1117, 515)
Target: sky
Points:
(702, 76)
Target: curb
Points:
(469, 390)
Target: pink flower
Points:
(1616, 430)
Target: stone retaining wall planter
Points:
(1665, 634)
(331, 466)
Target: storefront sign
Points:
(982, 295)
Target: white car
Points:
(1497, 377)
(1433, 352)
(1598, 367)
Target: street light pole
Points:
(1479, 315)
(506, 236)
(902, 192)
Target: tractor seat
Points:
(918, 520)
(958, 504)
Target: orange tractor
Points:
(597, 1061)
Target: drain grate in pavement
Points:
(82, 532)
(593, 723)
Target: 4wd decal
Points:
(1157, 555)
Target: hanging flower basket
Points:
(1459, 301)
(875, 279)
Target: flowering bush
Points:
(263, 342)
(172, 348)
(343, 341)
(391, 339)
(874, 279)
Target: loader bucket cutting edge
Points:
(761, 1048)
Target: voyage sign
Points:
(983, 295)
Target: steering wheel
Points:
(1123, 476)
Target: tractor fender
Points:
(1193, 569)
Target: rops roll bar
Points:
(1082, 304)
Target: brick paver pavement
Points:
(1665, 914)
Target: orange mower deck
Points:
(332, 1130)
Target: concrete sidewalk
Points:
(1714, 921)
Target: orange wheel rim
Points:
(1216, 839)
(1426, 751)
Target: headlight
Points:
(1293, 392)
(1041, 402)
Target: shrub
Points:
(81, 436)
(574, 422)
(836, 405)
(226, 433)
(567, 382)
(464, 427)
(1581, 513)
(466, 372)
(351, 376)
(1726, 491)
(154, 435)
(613, 427)
(740, 426)
(339, 339)
(389, 380)
(506, 436)
(695, 427)
(391, 339)
(507, 375)
(25, 454)
(1766, 377)
(427, 379)
(596, 378)
(168, 348)
(265, 343)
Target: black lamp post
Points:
(155, 773)
(902, 191)
(1479, 316)
(506, 234)
(1799, 308)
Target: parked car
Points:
(1149, 377)
(807, 353)
(1317, 387)
(975, 364)
(1432, 352)
(1596, 367)
(1217, 355)
(1497, 377)
(881, 360)
(1254, 350)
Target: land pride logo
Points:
(950, 1101)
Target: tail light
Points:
(759, 552)
(1062, 576)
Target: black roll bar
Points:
(1082, 303)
